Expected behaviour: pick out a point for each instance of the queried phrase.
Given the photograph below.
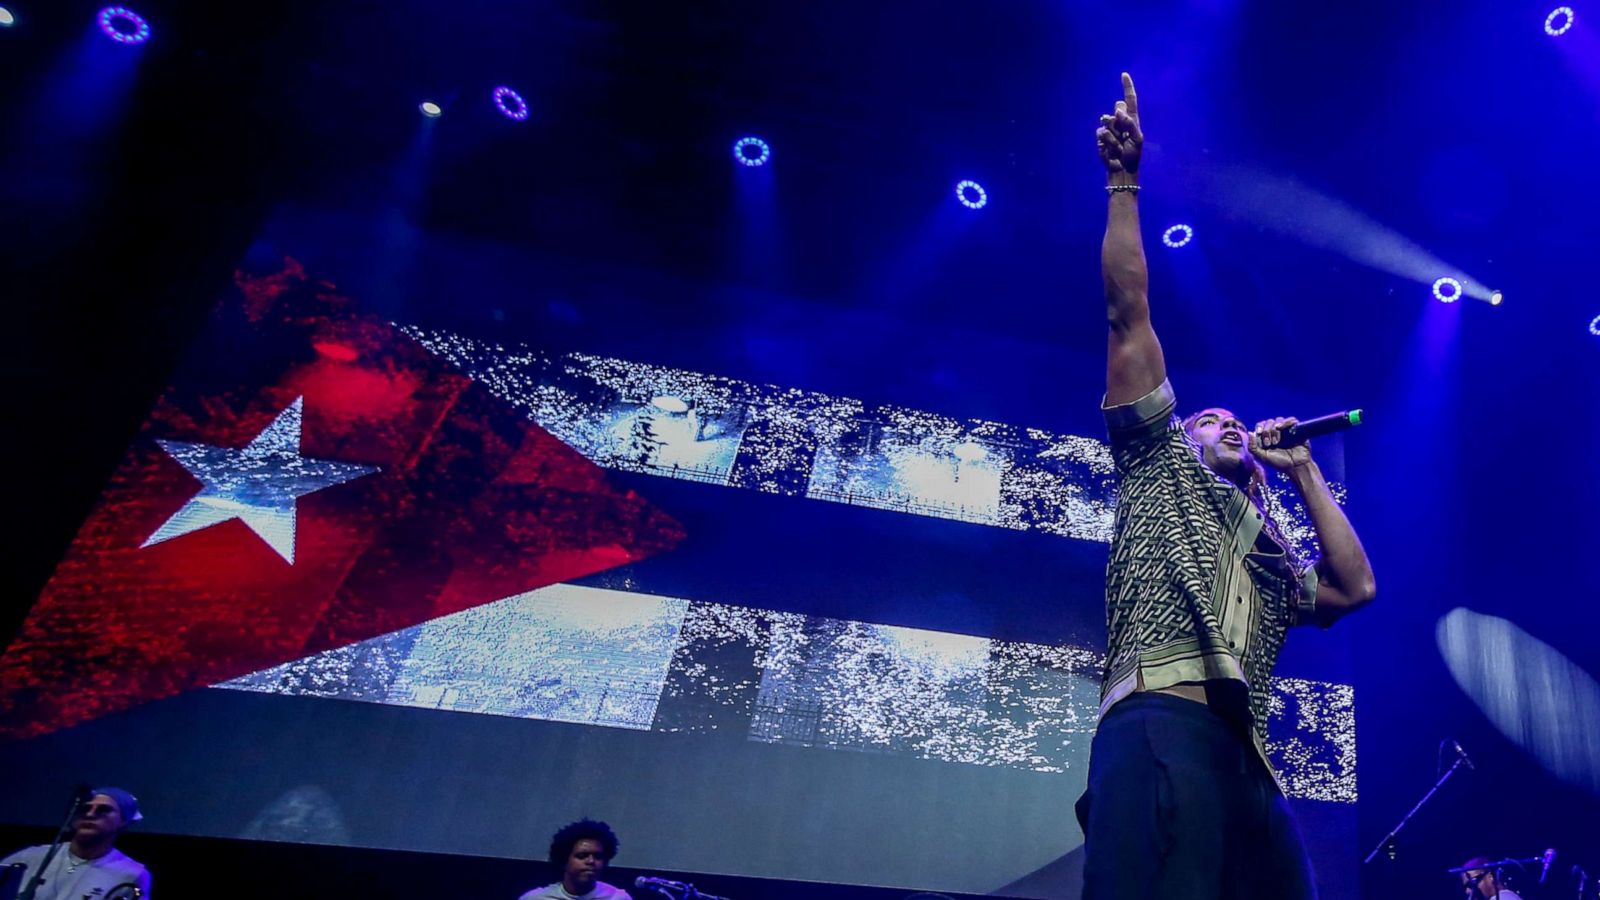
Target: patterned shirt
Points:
(1195, 592)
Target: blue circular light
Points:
(7, 17)
(751, 151)
(1177, 236)
(971, 194)
(430, 109)
(1447, 290)
(123, 25)
(510, 103)
(1561, 14)
(1594, 326)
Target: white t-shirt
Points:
(602, 891)
(71, 878)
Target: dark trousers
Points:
(1180, 808)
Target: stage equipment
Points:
(971, 194)
(1559, 21)
(1300, 432)
(681, 890)
(510, 104)
(751, 151)
(80, 795)
(1388, 839)
(123, 25)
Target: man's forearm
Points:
(1344, 559)
(1134, 364)
(1122, 263)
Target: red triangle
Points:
(473, 503)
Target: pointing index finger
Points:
(1129, 96)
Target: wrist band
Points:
(1122, 188)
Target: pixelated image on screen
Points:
(472, 567)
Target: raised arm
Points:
(1134, 364)
(1345, 581)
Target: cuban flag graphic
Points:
(313, 478)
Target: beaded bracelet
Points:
(1120, 188)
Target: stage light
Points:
(7, 18)
(1559, 21)
(1594, 326)
(510, 103)
(1177, 236)
(430, 109)
(1287, 207)
(1496, 298)
(123, 25)
(1539, 698)
(971, 194)
(751, 151)
(1447, 290)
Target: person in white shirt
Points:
(89, 865)
(1480, 882)
(583, 849)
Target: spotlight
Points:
(1496, 298)
(751, 151)
(1447, 290)
(1559, 21)
(971, 194)
(1594, 326)
(430, 109)
(510, 103)
(123, 25)
(1177, 236)
(7, 18)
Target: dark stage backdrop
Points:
(391, 576)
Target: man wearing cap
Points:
(1481, 881)
(90, 865)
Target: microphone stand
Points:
(37, 877)
(1388, 839)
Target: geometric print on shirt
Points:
(1195, 591)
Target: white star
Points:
(257, 485)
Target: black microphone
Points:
(683, 890)
(1300, 432)
(645, 881)
(82, 794)
(1454, 745)
(1548, 858)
